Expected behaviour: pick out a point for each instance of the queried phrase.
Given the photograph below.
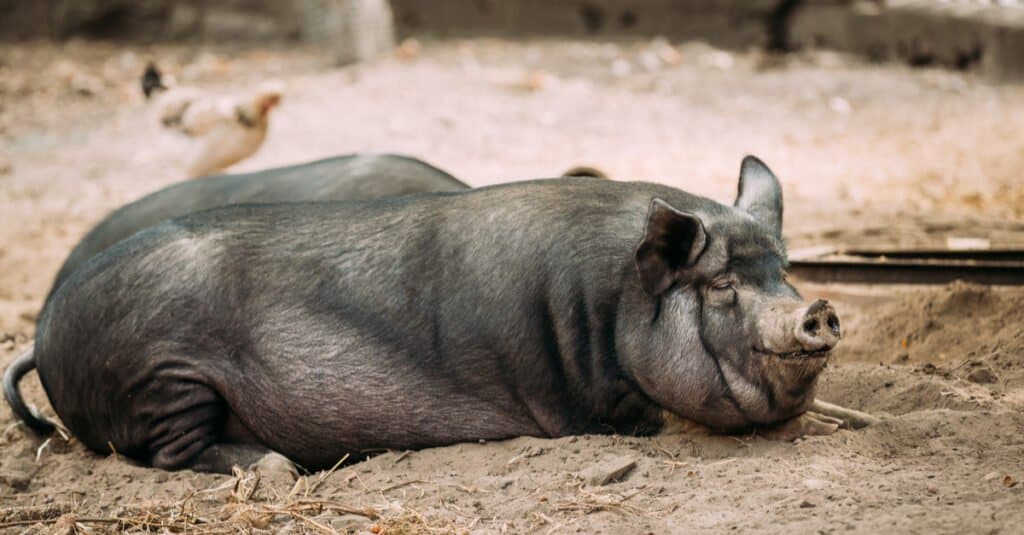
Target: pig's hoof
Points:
(276, 468)
(807, 424)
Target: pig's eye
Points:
(723, 284)
(722, 292)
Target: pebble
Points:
(608, 471)
(815, 484)
(982, 376)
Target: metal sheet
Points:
(909, 266)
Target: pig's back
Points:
(351, 177)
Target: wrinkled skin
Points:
(544, 308)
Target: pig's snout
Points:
(818, 330)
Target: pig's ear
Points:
(760, 194)
(672, 242)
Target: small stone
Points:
(669, 55)
(15, 480)
(532, 451)
(650, 61)
(409, 49)
(246, 518)
(621, 68)
(840, 105)
(535, 80)
(720, 60)
(609, 471)
(66, 524)
(806, 505)
(982, 376)
(815, 484)
(347, 523)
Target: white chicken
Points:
(226, 130)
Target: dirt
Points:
(868, 154)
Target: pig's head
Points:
(719, 336)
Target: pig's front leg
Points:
(807, 424)
(823, 418)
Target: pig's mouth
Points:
(795, 355)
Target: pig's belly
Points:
(317, 415)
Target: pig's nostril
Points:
(833, 323)
(811, 325)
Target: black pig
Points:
(544, 308)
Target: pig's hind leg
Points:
(197, 430)
(221, 458)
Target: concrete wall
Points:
(978, 35)
(965, 34)
(973, 35)
(352, 29)
(734, 23)
(149, 20)
(724, 22)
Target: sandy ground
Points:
(868, 155)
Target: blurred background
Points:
(891, 124)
